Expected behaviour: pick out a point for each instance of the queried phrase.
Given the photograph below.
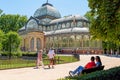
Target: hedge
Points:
(110, 74)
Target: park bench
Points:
(85, 71)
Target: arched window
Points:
(52, 27)
(48, 28)
(73, 24)
(44, 28)
(86, 40)
(55, 27)
(63, 25)
(40, 27)
(79, 24)
(84, 24)
(68, 25)
(87, 24)
(78, 39)
(32, 44)
(38, 45)
(59, 26)
(64, 42)
(71, 41)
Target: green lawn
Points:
(20, 63)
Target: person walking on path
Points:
(51, 56)
(39, 59)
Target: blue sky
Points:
(28, 7)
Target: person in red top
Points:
(39, 59)
(90, 64)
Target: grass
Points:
(21, 63)
(16, 63)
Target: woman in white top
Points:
(51, 55)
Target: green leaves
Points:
(0, 11)
(1, 39)
(11, 22)
(12, 41)
(106, 25)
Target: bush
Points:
(4, 53)
(44, 55)
(19, 54)
(29, 54)
(14, 54)
(110, 74)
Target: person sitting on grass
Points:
(77, 71)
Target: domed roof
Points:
(47, 9)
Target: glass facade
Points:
(70, 32)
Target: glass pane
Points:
(63, 25)
(79, 24)
(38, 44)
(32, 44)
(68, 25)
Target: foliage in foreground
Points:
(110, 74)
(106, 25)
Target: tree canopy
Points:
(89, 16)
(106, 25)
(0, 11)
(9, 37)
(12, 22)
(1, 38)
(11, 42)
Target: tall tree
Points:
(12, 22)
(11, 42)
(1, 38)
(0, 11)
(89, 16)
(106, 25)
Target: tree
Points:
(91, 19)
(12, 22)
(106, 25)
(1, 39)
(0, 11)
(11, 42)
(89, 16)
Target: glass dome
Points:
(47, 9)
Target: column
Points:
(82, 36)
(35, 47)
(75, 42)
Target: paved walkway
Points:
(59, 71)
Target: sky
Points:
(28, 7)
